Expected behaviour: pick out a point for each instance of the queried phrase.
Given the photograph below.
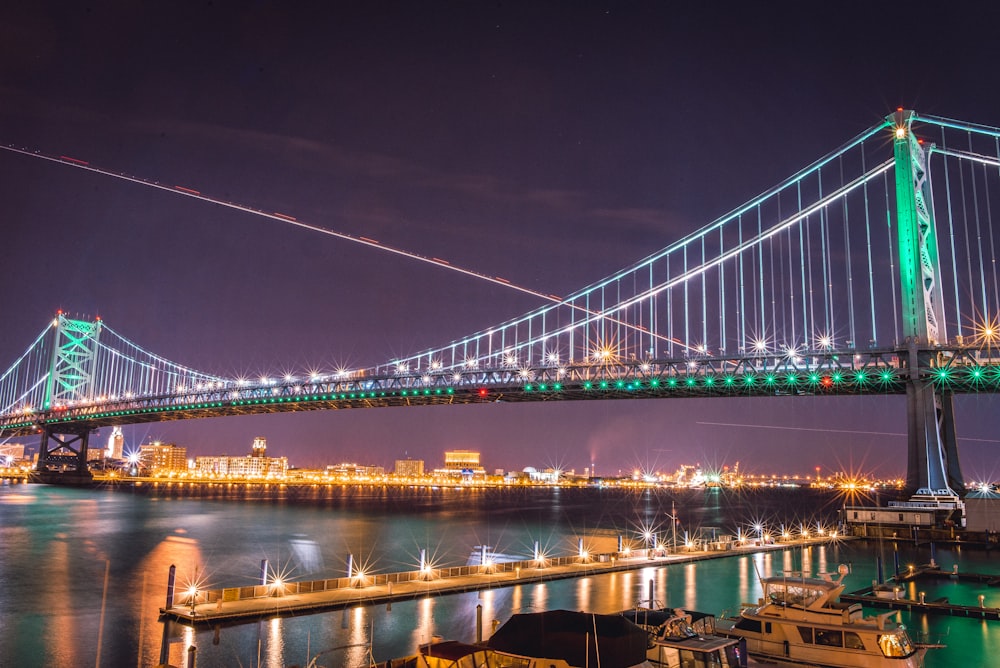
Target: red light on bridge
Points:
(483, 392)
(826, 381)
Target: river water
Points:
(83, 572)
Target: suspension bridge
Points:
(871, 271)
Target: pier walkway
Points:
(245, 604)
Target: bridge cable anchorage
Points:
(290, 220)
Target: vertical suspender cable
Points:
(892, 262)
(771, 275)
(824, 248)
(760, 274)
(951, 236)
(988, 317)
(979, 233)
(789, 252)
(742, 320)
(868, 242)
(653, 322)
(847, 262)
(670, 316)
(687, 333)
(704, 297)
(968, 250)
(806, 296)
(722, 296)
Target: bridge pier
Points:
(62, 457)
(933, 466)
(933, 471)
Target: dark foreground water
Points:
(61, 549)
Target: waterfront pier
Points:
(211, 607)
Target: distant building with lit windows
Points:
(409, 468)
(461, 462)
(158, 457)
(12, 452)
(116, 444)
(248, 466)
(255, 465)
(352, 470)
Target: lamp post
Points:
(673, 522)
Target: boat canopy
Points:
(574, 637)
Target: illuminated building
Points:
(355, 470)
(410, 468)
(11, 452)
(116, 443)
(248, 466)
(255, 465)
(461, 462)
(158, 456)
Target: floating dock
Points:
(889, 595)
(212, 607)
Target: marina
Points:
(101, 545)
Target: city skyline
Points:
(559, 146)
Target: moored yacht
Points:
(800, 621)
(680, 638)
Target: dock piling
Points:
(171, 578)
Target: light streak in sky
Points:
(290, 220)
(834, 431)
(774, 426)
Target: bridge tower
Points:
(63, 452)
(933, 470)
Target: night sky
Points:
(549, 143)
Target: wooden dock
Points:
(888, 596)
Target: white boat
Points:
(800, 622)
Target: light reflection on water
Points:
(56, 543)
